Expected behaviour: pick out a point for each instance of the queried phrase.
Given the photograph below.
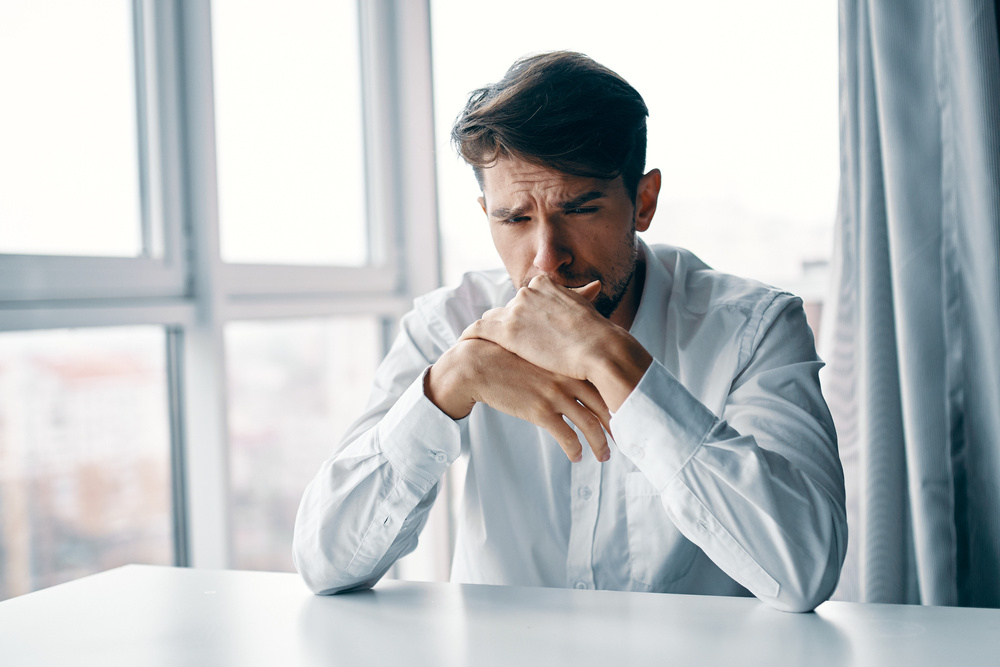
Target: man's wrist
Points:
(445, 387)
(618, 367)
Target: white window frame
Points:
(182, 284)
(159, 271)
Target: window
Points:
(288, 110)
(69, 181)
(294, 387)
(203, 214)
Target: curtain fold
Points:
(912, 332)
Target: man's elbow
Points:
(799, 601)
(321, 568)
(812, 582)
(323, 577)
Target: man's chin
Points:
(606, 305)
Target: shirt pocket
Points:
(659, 554)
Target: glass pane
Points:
(743, 120)
(84, 454)
(69, 180)
(288, 132)
(294, 388)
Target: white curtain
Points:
(912, 326)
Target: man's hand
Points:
(479, 371)
(558, 329)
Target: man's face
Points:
(571, 228)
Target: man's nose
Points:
(551, 251)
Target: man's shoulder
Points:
(463, 303)
(698, 288)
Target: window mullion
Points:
(178, 469)
(203, 397)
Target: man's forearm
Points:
(480, 371)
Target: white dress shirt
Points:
(724, 476)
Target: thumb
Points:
(589, 291)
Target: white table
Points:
(143, 615)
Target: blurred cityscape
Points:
(84, 441)
(294, 388)
(84, 455)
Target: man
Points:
(713, 465)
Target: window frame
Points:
(182, 284)
(159, 270)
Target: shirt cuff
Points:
(660, 425)
(418, 439)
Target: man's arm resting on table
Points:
(367, 504)
(760, 490)
(762, 495)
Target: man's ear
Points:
(645, 199)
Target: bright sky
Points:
(68, 163)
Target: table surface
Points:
(145, 615)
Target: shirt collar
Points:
(648, 325)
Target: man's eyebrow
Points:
(505, 213)
(576, 202)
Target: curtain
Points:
(911, 331)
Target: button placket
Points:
(585, 485)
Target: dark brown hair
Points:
(560, 110)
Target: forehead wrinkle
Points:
(564, 202)
(519, 187)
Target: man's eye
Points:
(582, 210)
(516, 219)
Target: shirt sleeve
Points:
(367, 504)
(759, 489)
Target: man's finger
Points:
(471, 331)
(478, 329)
(565, 436)
(587, 394)
(486, 324)
(589, 291)
(590, 425)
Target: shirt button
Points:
(584, 492)
(581, 585)
(638, 452)
(440, 457)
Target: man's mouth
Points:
(571, 283)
